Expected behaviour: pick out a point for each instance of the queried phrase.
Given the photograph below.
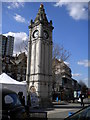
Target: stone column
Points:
(29, 57)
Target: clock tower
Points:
(39, 62)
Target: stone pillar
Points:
(40, 58)
(29, 56)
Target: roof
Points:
(41, 16)
(61, 62)
(5, 79)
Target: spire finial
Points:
(41, 6)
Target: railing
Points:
(38, 115)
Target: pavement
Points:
(63, 110)
(86, 101)
(60, 109)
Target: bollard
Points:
(57, 99)
(70, 113)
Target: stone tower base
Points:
(45, 103)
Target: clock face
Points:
(35, 34)
(45, 34)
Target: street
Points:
(62, 111)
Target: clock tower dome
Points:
(39, 62)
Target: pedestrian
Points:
(23, 101)
(20, 95)
(82, 97)
(28, 101)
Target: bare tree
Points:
(82, 83)
(83, 86)
(59, 53)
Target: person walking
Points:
(20, 95)
(23, 101)
(82, 97)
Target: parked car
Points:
(83, 114)
(12, 108)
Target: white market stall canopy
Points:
(11, 84)
(5, 79)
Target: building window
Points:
(64, 81)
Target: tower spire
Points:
(41, 6)
(41, 16)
